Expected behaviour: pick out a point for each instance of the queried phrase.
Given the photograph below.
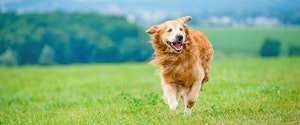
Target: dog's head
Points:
(171, 34)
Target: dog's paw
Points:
(187, 112)
(173, 106)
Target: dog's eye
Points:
(180, 29)
(170, 30)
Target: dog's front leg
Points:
(170, 94)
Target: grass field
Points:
(245, 91)
(249, 41)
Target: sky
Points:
(153, 11)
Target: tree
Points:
(8, 58)
(294, 50)
(47, 56)
(270, 48)
(134, 49)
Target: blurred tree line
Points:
(272, 48)
(64, 38)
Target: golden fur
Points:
(185, 69)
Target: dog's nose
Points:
(179, 37)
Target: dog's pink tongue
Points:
(185, 42)
(177, 45)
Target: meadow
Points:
(240, 91)
(236, 41)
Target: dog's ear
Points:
(185, 19)
(152, 30)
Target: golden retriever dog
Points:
(184, 56)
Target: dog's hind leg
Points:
(184, 97)
(192, 97)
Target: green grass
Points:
(245, 91)
(249, 40)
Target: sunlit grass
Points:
(241, 91)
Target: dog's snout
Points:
(179, 37)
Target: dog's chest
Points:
(183, 73)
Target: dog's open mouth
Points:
(176, 46)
